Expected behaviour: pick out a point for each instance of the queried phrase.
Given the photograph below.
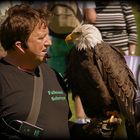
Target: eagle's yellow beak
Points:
(69, 38)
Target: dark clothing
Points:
(16, 92)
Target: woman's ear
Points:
(18, 45)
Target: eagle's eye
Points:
(77, 33)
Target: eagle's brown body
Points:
(102, 79)
(98, 73)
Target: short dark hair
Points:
(19, 24)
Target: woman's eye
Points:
(40, 38)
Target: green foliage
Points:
(71, 103)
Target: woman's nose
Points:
(48, 42)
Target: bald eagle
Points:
(98, 73)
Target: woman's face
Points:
(38, 43)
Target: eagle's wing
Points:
(118, 77)
(85, 80)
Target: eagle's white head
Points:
(85, 36)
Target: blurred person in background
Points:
(4, 6)
(116, 22)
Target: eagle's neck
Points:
(87, 41)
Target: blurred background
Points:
(136, 9)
